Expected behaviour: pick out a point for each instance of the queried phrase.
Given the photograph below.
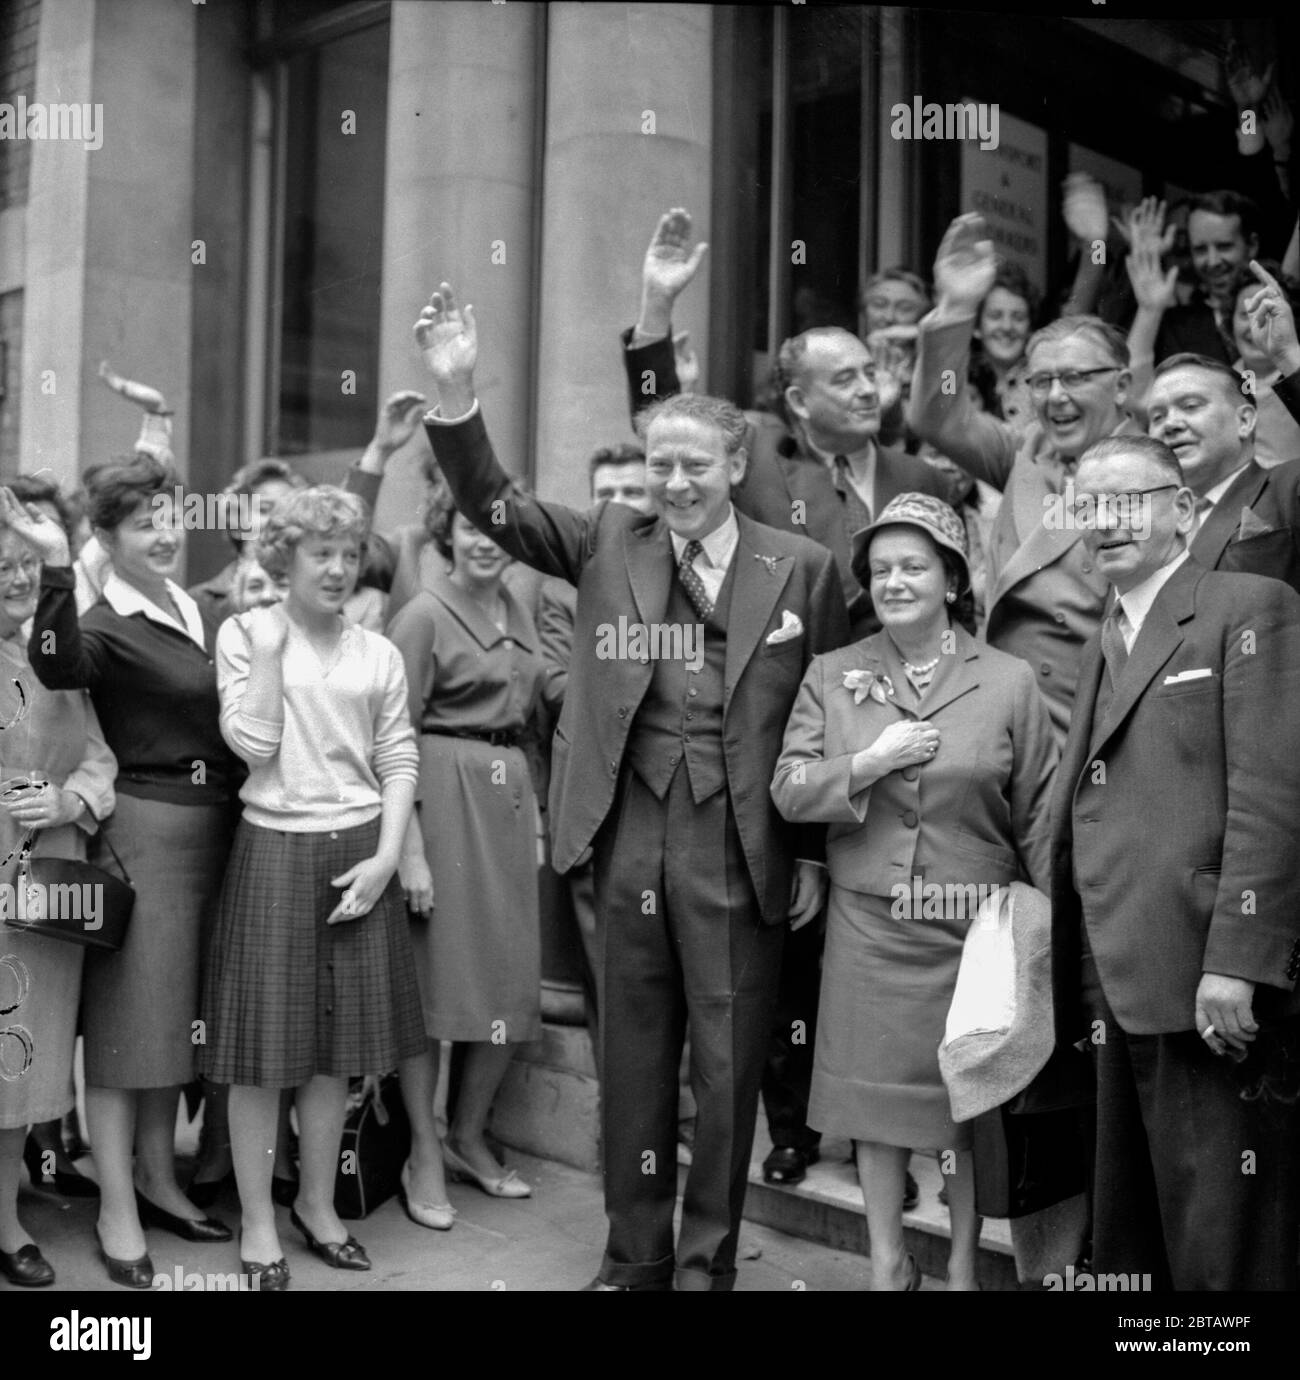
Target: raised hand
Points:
(965, 266)
(1154, 288)
(1246, 85)
(1084, 207)
(43, 535)
(1272, 322)
(1145, 225)
(140, 393)
(398, 419)
(448, 338)
(670, 263)
(267, 628)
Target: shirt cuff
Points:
(434, 417)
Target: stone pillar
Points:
(613, 71)
(459, 203)
(109, 231)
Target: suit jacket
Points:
(1189, 793)
(1045, 597)
(1271, 545)
(977, 813)
(622, 564)
(786, 487)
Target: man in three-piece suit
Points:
(824, 476)
(1176, 892)
(1247, 518)
(825, 480)
(694, 626)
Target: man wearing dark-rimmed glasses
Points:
(1045, 597)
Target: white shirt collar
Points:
(1137, 602)
(125, 599)
(719, 545)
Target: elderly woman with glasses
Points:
(930, 756)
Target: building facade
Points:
(277, 187)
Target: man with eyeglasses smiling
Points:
(1176, 948)
(1046, 592)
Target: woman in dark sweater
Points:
(145, 653)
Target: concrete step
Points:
(548, 1106)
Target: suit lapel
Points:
(1039, 544)
(1221, 522)
(1156, 643)
(760, 578)
(955, 676)
(648, 553)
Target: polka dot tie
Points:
(691, 582)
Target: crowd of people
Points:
(987, 597)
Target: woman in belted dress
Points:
(474, 671)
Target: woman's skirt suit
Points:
(907, 858)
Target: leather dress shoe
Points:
(598, 1286)
(206, 1230)
(911, 1193)
(340, 1255)
(134, 1274)
(788, 1165)
(27, 1267)
(265, 1279)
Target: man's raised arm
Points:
(939, 410)
(547, 536)
(669, 266)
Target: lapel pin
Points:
(768, 561)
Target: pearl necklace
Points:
(920, 670)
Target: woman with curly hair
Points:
(311, 976)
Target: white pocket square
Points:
(791, 627)
(1199, 674)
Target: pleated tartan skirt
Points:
(286, 995)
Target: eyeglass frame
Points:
(30, 564)
(1081, 376)
(1110, 501)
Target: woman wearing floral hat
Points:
(930, 756)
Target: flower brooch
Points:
(873, 683)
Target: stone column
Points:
(459, 203)
(628, 134)
(109, 230)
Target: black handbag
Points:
(64, 898)
(375, 1146)
(1031, 1152)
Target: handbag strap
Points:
(121, 867)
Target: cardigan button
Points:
(910, 818)
(910, 773)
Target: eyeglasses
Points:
(1126, 510)
(1040, 385)
(29, 566)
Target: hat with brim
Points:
(1000, 1032)
(937, 519)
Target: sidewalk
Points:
(552, 1241)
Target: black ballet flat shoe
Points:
(203, 1193)
(339, 1255)
(69, 1185)
(133, 1274)
(205, 1231)
(26, 1267)
(284, 1192)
